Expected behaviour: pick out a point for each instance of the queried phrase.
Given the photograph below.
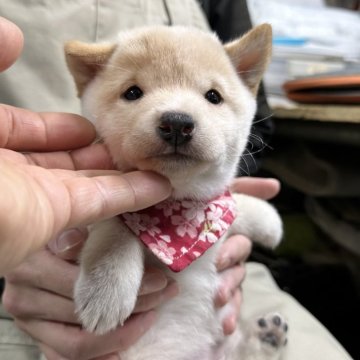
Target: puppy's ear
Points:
(85, 60)
(251, 54)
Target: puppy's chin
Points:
(190, 160)
(173, 165)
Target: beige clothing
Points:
(40, 81)
(308, 339)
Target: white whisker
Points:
(263, 119)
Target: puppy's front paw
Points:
(103, 301)
(272, 228)
(258, 220)
(271, 330)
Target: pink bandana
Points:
(178, 232)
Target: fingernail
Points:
(153, 282)
(222, 297)
(67, 240)
(229, 325)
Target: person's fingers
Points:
(32, 273)
(81, 200)
(46, 204)
(69, 244)
(69, 174)
(28, 302)
(93, 156)
(24, 130)
(51, 354)
(234, 250)
(151, 301)
(113, 356)
(153, 280)
(72, 342)
(229, 323)
(263, 188)
(90, 157)
(93, 199)
(231, 279)
(11, 43)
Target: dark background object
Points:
(309, 265)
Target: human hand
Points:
(39, 294)
(48, 282)
(235, 250)
(37, 203)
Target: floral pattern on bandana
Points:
(179, 231)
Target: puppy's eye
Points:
(214, 97)
(133, 93)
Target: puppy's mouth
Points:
(172, 162)
(179, 154)
(175, 157)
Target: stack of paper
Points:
(309, 39)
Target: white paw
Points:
(271, 330)
(103, 301)
(258, 220)
(272, 229)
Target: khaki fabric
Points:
(308, 339)
(15, 345)
(40, 80)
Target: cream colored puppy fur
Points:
(174, 68)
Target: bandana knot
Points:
(180, 231)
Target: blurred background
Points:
(307, 134)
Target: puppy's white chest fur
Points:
(188, 324)
(177, 102)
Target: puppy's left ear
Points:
(86, 60)
(251, 54)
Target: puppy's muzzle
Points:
(176, 128)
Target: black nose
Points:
(176, 128)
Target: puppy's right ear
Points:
(251, 54)
(85, 60)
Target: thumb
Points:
(42, 204)
(110, 196)
(97, 198)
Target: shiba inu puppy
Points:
(175, 101)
